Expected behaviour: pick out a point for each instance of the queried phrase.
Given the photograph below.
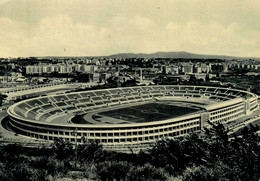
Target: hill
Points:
(181, 54)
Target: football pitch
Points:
(148, 112)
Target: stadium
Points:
(130, 118)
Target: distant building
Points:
(104, 77)
(84, 68)
(64, 69)
(93, 77)
(197, 69)
(34, 69)
(219, 68)
(187, 68)
(171, 70)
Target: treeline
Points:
(210, 155)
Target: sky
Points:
(105, 27)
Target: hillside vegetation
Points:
(210, 155)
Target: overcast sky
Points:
(104, 27)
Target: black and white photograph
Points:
(129, 90)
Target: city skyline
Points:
(98, 28)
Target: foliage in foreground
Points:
(211, 155)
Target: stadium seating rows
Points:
(83, 102)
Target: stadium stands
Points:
(228, 105)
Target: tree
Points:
(217, 133)
(111, 170)
(147, 172)
(169, 154)
(219, 172)
(91, 152)
(2, 98)
(49, 166)
(193, 80)
(129, 83)
(62, 149)
(11, 153)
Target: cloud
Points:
(203, 33)
(3, 1)
(212, 37)
(88, 28)
(141, 22)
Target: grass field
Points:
(148, 112)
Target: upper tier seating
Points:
(85, 101)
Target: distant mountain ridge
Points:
(181, 54)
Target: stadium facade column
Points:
(247, 107)
(204, 117)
